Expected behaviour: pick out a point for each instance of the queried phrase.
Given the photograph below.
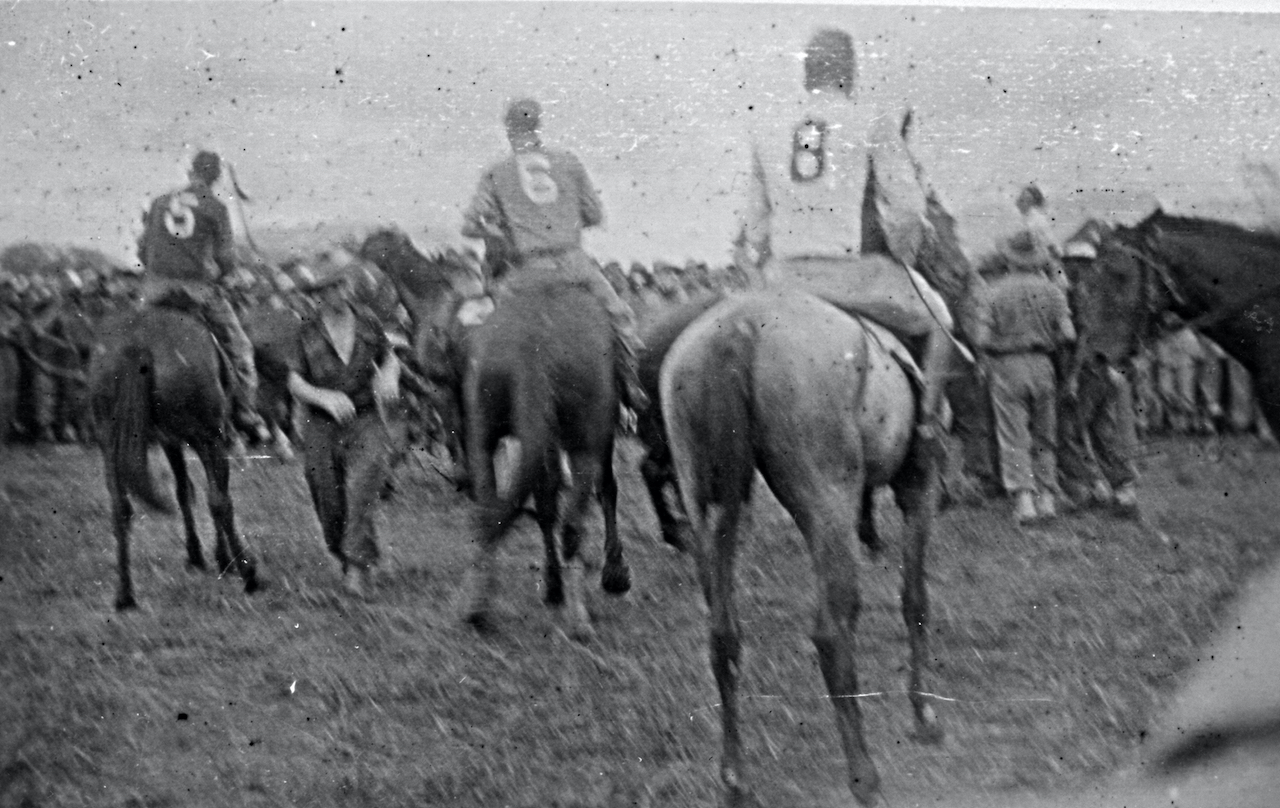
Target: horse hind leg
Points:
(228, 551)
(584, 471)
(839, 605)
(185, 490)
(121, 517)
(615, 577)
(717, 541)
(917, 489)
(867, 532)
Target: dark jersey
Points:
(188, 235)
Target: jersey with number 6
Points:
(542, 199)
(188, 235)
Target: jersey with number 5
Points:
(187, 235)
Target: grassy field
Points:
(1054, 648)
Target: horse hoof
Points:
(197, 565)
(481, 622)
(928, 729)
(674, 540)
(554, 595)
(866, 791)
(582, 634)
(616, 580)
(125, 602)
(253, 584)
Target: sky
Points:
(360, 114)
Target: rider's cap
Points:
(207, 166)
(1030, 197)
(1025, 252)
(829, 61)
(523, 115)
(1080, 249)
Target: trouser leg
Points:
(627, 342)
(1043, 424)
(368, 449)
(326, 480)
(244, 395)
(1013, 435)
(1113, 435)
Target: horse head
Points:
(1119, 298)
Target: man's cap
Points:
(1025, 252)
(829, 61)
(523, 115)
(324, 273)
(1080, 249)
(1031, 196)
(206, 165)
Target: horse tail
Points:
(535, 427)
(728, 407)
(710, 420)
(129, 434)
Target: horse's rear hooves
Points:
(252, 584)
(616, 581)
(554, 596)
(481, 622)
(125, 602)
(197, 565)
(928, 729)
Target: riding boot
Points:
(930, 423)
(244, 387)
(627, 371)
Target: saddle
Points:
(184, 302)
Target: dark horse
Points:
(434, 290)
(1217, 277)
(156, 376)
(541, 370)
(820, 403)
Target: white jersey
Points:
(808, 183)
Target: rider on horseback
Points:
(530, 209)
(187, 250)
(830, 182)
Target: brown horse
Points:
(156, 376)
(541, 371)
(434, 290)
(819, 402)
(1219, 278)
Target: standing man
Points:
(1097, 432)
(1034, 209)
(831, 181)
(530, 209)
(348, 379)
(1019, 323)
(187, 247)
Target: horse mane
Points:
(1210, 228)
(423, 275)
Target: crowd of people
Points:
(836, 204)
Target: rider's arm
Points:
(753, 238)
(483, 217)
(590, 208)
